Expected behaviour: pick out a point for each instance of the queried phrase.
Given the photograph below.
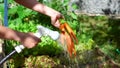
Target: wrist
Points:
(18, 36)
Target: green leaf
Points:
(10, 1)
(1, 11)
(73, 15)
(13, 10)
(74, 6)
(18, 20)
(20, 12)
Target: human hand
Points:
(29, 40)
(55, 19)
(39, 7)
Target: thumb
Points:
(57, 24)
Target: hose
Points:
(7, 57)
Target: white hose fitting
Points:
(19, 48)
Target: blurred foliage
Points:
(91, 31)
(103, 31)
